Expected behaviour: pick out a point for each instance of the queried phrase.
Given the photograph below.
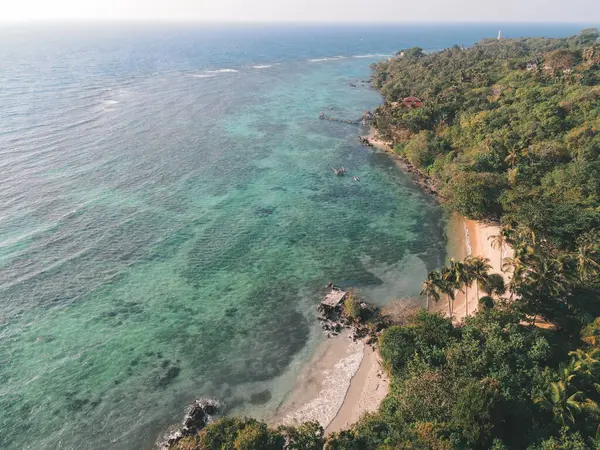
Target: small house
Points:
(412, 102)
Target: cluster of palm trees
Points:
(562, 398)
(454, 277)
(540, 272)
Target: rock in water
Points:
(197, 417)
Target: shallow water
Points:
(169, 217)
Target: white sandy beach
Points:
(341, 382)
(369, 386)
(470, 237)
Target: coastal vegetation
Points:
(510, 131)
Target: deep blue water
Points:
(168, 216)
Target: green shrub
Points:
(419, 150)
(352, 308)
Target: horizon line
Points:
(287, 22)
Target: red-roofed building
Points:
(412, 102)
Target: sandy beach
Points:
(342, 381)
(470, 237)
(345, 379)
(369, 386)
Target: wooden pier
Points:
(366, 117)
(334, 298)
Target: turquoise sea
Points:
(169, 217)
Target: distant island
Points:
(506, 132)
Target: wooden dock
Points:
(366, 117)
(334, 298)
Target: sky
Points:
(304, 10)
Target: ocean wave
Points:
(79, 123)
(370, 55)
(325, 407)
(263, 66)
(331, 58)
(222, 71)
(213, 73)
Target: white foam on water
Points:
(371, 55)
(331, 58)
(467, 239)
(223, 71)
(326, 405)
(264, 66)
(213, 73)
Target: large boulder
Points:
(198, 415)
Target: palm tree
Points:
(465, 276)
(431, 287)
(520, 265)
(498, 241)
(560, 403)
(586, 264)
(494, 285)
(544, 281)
(480, 268)
(456, 269)
(547, 277)
(447, 285)
(585, 362)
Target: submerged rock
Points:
(260, 398)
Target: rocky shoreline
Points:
(359, 317)
(198, 415)
(421, 179)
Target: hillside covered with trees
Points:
(510, 131)
(509, 128)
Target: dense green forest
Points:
(510, 131)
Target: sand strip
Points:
(343, 380)
(369, 386)
(321, 387)
(472, 237)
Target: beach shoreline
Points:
(466, 237)
(472, 238)
(424, 181)
(345, 379)
(368, 388)
(342, 381)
